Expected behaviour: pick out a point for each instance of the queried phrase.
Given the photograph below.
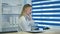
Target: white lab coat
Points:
(24, 24)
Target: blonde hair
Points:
(23, 12)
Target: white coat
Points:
(25, 24)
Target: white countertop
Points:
(54, 30)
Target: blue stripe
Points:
(46, 15)
(40, 26)
(53, 11)
(48, 19)
(56, 2)
(37, 0)
(55, 24)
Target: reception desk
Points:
(53, 30)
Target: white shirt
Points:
(25, 24)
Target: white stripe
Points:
(45, 9)
(47, 21)
(46, 5)
(43, 25)
(46, 17)
(53, 0)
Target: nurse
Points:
(25, 18)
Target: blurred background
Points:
(11, 9)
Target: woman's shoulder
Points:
(22, 17)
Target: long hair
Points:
(23, 10)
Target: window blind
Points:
(46, 12)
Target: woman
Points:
(26, 18)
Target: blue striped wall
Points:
(46, 12)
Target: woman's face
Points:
(28, 10)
